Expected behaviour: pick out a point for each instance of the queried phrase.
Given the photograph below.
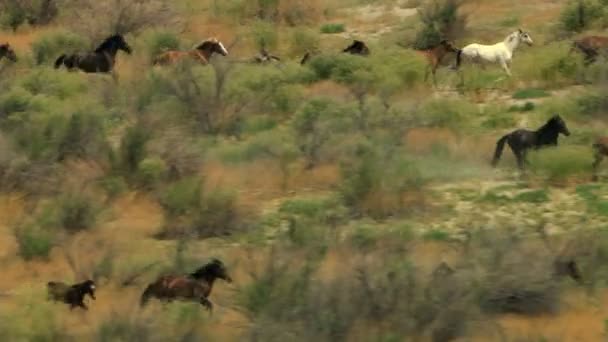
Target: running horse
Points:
(591, 47)
(521, 140)
(195, 286)
(500, 53)
(7, 51)
(600, 151)
(71, 294)
(101, 60)
(357, 47)
(201, 53)
(435, 55)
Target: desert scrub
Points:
(332, 28)
(562, 164)
(77, 211)
(530, 93)
(51, 45)
(159, 41)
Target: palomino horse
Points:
(499, 53)
(600, 150)
(201, 53)
(591, 47)
(71, 294)
(521, 140)
(196, 286)
(8, 52)
(357, 47)
(101, 60)
(435, 56)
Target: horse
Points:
(501, 53)
(101, 60)
(71, 294)
(265, 57)
(201, 53)
(435, 56)
(600, 150)
(357, 47)
(522, 140)
(195, 286)
(591, 47)
(7, 51)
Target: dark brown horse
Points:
(357, 47)
(201, 53)
(101, 60)
(435, 55)
(8, 52)
(71, 294)
(196, 286)
(521, 140)
(600, 150)
(591, 47)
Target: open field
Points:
(350, 198)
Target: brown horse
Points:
(202, 53)
(600, 150)
(196, 286)
(435, 55)
(8, 52)
(591, 47)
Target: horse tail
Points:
(500, 145)
(146, 295)
(59, 61)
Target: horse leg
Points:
(206, 303)
(599, 156)
(505, 67)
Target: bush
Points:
(562, 164)
(34, 241)
(579, 15)
(265, 35)
(160, 41)
(51, 45)
(304, 40)
(192, 212)
(76, 212)
(35, 12)
(150, 172)
(333, 28)
(82, 138)
(132, 149)
(530, 93)
(440, 20)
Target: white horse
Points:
(501, 53)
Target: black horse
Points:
(357, 48)
(72, 295)
(195, 286)
(101, 60)
(8, 52)
(521, 140)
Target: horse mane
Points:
(108, 42)
(206, 269)
(205, 44)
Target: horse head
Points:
(211, 46)
(116, 42)
(212, 270)
(558, 123)
(448, 46)
(87, 287)
(525, 37)
(6, 50)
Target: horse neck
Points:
(205, 53)
(511, 45)
(547, 133)
(110, 51)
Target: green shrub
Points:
(265, 35)
(530, 93)
(150, 172)
(183, 197)
(160, 41)
(133, 148)
(436, 235)
(51, 45)
(76, 212)
(333, 28)
(579, 15)
(82, 138)
(440, 20)
(532, 196)
(34, 241)
(563, 163)
(113, 185)
(304, 40)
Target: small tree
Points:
(441, 19)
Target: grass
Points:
(333, 28)
(530, 93)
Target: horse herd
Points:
(195, 286)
